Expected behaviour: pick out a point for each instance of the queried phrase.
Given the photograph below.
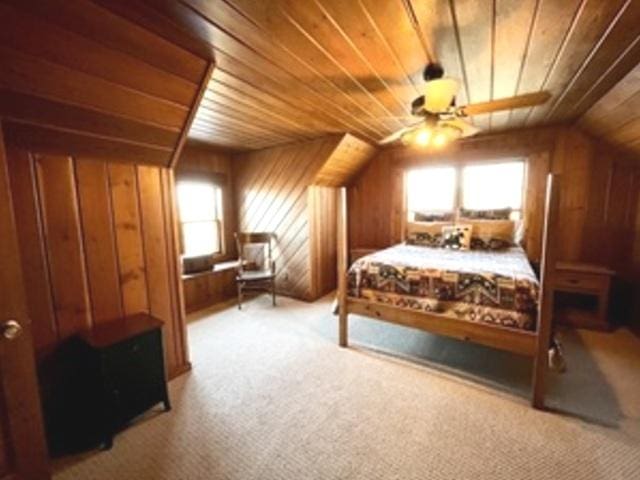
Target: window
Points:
(440, 191)
(493, 186)
(200, 205)
(431, 190)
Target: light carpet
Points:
(272, 396)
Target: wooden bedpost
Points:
(343, 265)
(547, 279)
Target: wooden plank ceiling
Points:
(78, 78)
(296, 69)
(616, 116)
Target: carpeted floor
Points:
(271, 396)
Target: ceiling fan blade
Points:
(439, 93)
(393, 137)
(519, 101)
(397, 134)
(467, 128)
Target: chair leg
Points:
(239, 296)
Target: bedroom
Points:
(445, 196)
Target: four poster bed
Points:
(486, 297)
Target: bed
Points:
(488, 297)
(484, 286)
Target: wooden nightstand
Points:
(95, 383)
(581, 294)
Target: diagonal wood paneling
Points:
(272, 189)
(291, 70)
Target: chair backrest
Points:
(251, 250)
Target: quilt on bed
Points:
(496, 287)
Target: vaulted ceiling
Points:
(288, 70)
(294, 69)
(616, 116)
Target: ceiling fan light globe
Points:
(440, 139)
(439, 94)
(423, 137)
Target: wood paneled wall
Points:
(598, 203)
(272, 195)
(323, 211)
(97, 242)
(203, 290)
(599, 195)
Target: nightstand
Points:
(95, 383)
(581, 294)
(128, 370)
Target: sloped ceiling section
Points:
(347, 159)
(290, 70)
(78, 78)
(616, 116)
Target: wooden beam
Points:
(192, 114)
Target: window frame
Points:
(458, 167)
(219, 214)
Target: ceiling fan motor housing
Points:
(433, 71)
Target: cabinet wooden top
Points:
(577, 267)
(116, 331)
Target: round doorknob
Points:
(11, 329)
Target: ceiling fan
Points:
(441, 120)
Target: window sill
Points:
(218, 267)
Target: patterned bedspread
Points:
(496, 287)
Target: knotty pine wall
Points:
(599, 195)
(323, 214)
(97, 242)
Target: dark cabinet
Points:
(101, 380)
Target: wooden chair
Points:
(256, 270)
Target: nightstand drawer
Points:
(581, 281)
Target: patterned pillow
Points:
(492, 234)
(457, 237)
(496, 214)
(426, 234)
(432, 217)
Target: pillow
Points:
(199, 264)
(492, 234)
(432, 217)
(496, 214)
(426, 234)
(456, 237)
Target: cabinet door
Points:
(23, 452)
